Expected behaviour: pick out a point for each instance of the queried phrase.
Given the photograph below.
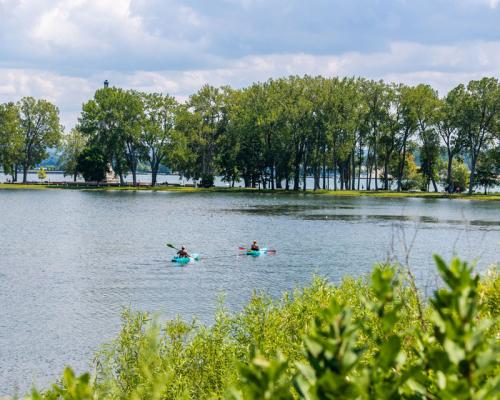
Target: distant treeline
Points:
(273, 134)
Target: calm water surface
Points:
(71, 260)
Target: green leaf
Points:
(389, 352)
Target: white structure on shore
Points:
(110, 176)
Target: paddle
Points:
(245, 249)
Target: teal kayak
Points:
(256, 253)
(186, 260)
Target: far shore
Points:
(191, 189)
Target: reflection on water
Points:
(399, 218)
(286, 209)
(71, 260)
(309, 212)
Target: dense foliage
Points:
(278, 132)
(275, 133)
(361, 339)
(27, 129)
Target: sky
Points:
(63, 50)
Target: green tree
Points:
(158, 130)
(39, 122)
(112, 121)
(447, 120)
(426, 106)
(334, 104)
(203, 122)
(411, 178)
(241, 147)
(92, 164)
(481, 119)
(319, 151)
(377, 98)
(391, 133)
(73, 145)
(278, 131)
(11, 139)
(408, 126)
(488, 169)
(297, 106)
(459, 177)
(271, 121)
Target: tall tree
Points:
(277, 122)
(333, 106)
(39, 122)
(131, 118)
(481, 122)
(426, 106)
(112, 120)
(11, 139)
(488, 168)
(300, 120)
(208, 120)
(158, 136)
(269, 122)
(390, 134)
(377, 98)
(73, 145)
(243, 142)
(407, 125)
(447, 121)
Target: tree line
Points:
(365, 134)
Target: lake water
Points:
(71, 260)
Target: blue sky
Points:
(62, 50)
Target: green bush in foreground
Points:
(358, 340)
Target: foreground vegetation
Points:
(191, 189)
(361, 339)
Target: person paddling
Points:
(255, 246)
(182, 253)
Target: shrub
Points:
(361, 339)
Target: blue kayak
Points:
(186, 260)
(256, 253)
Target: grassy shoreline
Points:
(187, 189)
(338, 193)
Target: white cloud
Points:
(492, 4)
(91, 24)
(66, 92)
(441, 66)
(79, 36)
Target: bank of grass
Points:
(17, 186)
(190, 189)
(372, 338)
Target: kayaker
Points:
(255, 246)
(182, 253)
